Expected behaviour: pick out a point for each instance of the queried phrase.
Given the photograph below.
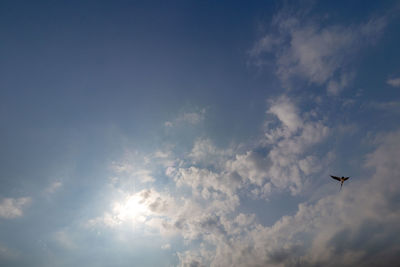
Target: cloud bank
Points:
(356, 226)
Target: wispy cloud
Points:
(8, 254)
(395, 82)
(321, 55)
(391, 106)
(64, 239)
(53, 187)
(13, 207)
(132, 168)
(193, 118)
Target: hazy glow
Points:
(131, 209)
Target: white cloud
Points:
(395, 82)
(319, 55)
(391, 106)
(286, 112)
(193, 258)
(251, 166)
(215, 176)
(355, 227)
(132, 168)
(290, 158)
(53, 187)
(204, 153)
(136, 208)
(285, 158)
(144, 176)
(217, 188)
(193, 118)
(208, 183)
(64, 239)
(13, 207)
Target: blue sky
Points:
(199, 133)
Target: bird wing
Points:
(345, 178)
(335, 177)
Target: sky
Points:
(199, 133)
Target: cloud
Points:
(64, 239)
(355, 227)
(205, 153)
(192, 118)
(13, 207)
(286, 112)
(208, 179)
(391, 106)
(395, 82)
(290, 157)
(193, 259)
(53, 187)
(321, 55)
(132, 168)
(251, 166)
(168, 124)
(8, 254)
(166, 247)
(134, 208)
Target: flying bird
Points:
(340, 179)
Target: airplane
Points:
(340, 179)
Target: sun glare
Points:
(133, 209)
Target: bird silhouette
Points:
(340, 179)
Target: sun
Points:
(131, 209)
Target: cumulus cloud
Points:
(205, 153)
(284, 156)
(359, 227)
(280, 161)
(303, 49)
(395, 82)
(286, 112)
(209, 179)
(356, 226)
(13, 207)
